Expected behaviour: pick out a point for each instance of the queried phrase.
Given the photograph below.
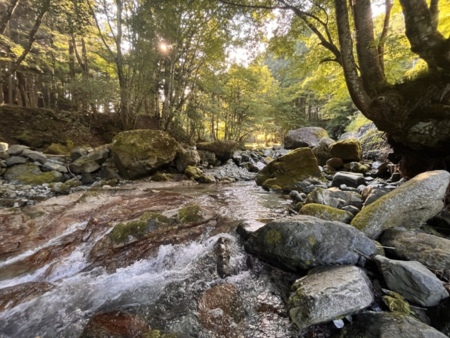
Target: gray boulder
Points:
(303, 242)
(84, 165)
(353, 180)
(328, 293)
(304, 137)
(15, 160)
(322, 150)
(138, 153)
(35, 156)
(412, 280)
(31, 174)
(431, 251)
(389, 325)
(410, 205)
(16, 149)
(223, 149)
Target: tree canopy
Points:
(235, 69)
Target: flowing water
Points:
(165, 289)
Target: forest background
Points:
(200, 69)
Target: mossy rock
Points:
(139, 153)
(223, 149)
(348, 150)
(326, 212)
(31, 174)
(190, 213)
(194, 173)
(148, 222)
(287, 171)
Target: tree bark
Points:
(421, 31)
(354, 83)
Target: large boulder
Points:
(328, 293)
(138, 153)
(287, 171)
(303, 242)
(410, 205)
(223, 149)
(431, 251)
(322, 150)
(412, 280)
(304, 137)
(348, 150)
(189, 157)
(388, 325)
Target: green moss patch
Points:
(190, 213)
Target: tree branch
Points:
(384, 32)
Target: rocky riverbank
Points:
(358, 251)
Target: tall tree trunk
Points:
(6, 16)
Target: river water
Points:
(167, 288)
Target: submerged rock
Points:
(410, 205)
(303, 242)
(328, 293)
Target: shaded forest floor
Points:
(55, 131)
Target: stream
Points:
(176, 289)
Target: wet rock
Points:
(302, 242)
(222, 251)
(116, 324)
(137, 153)
(410, 205)
(229, 172)
(412, 280)
(286, 172)
(326, 213)
(221, 310)
(21, 293)
(31, 174)
(431, 251)
(349, 179)
(304, 137)
(388, 325)
(194, 173)
(334, 197)
(328, 293)
(223, 149)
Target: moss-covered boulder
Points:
(348, 150)
(31, 174)
(194, 173)
(304, 137)
(327, 213)
(409, 206)
(303, 242)
(286, 172)
(223, 149)
(138, 153)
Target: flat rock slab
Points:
(328, 293)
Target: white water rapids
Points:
(65, 310)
